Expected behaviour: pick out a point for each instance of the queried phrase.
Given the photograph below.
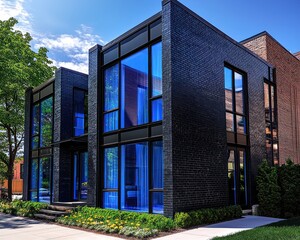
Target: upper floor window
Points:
(128, 82)
(80, 112)
(235, 101)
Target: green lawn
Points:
(288, 229)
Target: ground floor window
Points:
(237, 176)
(133, 177)
(40, 181)
(80, 175)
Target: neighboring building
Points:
(176, 121)
(17, 182)
(288, 93)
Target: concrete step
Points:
(247, 212)
(53, 212)
(45, 217)
(60, 208)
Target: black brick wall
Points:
(194, 126)
(94, 69)
(65, 81)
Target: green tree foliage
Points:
(268, 195)
(289, 181)
(20, 68)
(3, 167)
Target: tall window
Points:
(46, 122)
(271, 123)
(128, 81)
(136, 185)
(80, 112)
(235, 102)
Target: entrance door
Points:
(80, 176)
(237, 176)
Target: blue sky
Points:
(68, 28)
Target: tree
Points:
(20, 68)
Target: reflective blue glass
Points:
(111, 121)
(80, 112)
(111, 168)
(33, 181)
(34, 142)
(134, 180)
(46, 122)
(111, 88)
(228, 88)
(110, 200)
(35, 119)
(134, 89)
(239, 93)
(157, 110)
(157, 69)
(75, 177)
(157, 165)
(44, 180)
(83, 175)
(158, 202)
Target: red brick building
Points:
(288, 92)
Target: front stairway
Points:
(52, 212)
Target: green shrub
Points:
(206, 216)
(268, 190)
(134, 224)
(289, 181)
(21, 208)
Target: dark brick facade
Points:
(288, 89)
(194, 131)
(64, 83)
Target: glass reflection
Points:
(157, 69)
(239, 95)
(157, 110)
(267, 99)
(44, 180)
(158, 202)
(231, 178)
(157, 165)
(111, 121)
(46, 122)
(34, 181)
(241, 124)
(134, 181)
(134, 89)
(110, 200)
(80, 112)
(111, 88)
(111, 168)
(243, 179)
(228, 88)
(229, 122)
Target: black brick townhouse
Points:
(170, 118)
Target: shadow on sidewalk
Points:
(12, 222)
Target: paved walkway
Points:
(222, 229)
(18, 228)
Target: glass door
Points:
(80, 175)
(237, 176)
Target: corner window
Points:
(80, 112)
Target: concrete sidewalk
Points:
(222, 229)
(18, 228)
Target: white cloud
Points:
(73, 47)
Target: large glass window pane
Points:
(111, 121)
(110, 200)
(157, 110)
(75, 176)
(134, 181)
(158, 202)
(83, 175)
(157, 165)
(46, 122)
(273, 103)
(34, 142)
(239, 95)
(243, 179)
(241, 124)
(80, 112)
(267, 101)
(228, 88)
(44, 180)
(231, 178)
(229, 122)
(111, 168)
(35, 119)
(111, 88)
(157, 69)
(134, 105)
(33, 181)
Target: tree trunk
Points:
(10, 176)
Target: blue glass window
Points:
(239, 95)
(111, 168)
(44, 180)
(228, 88)
(134, 181)
(46, 122)
(134, 89)
(83, 174)
(111, 121)
(158, 202)
(111, 88)
(34, 181)
(157, 110)
(80, 112)
(157, 69)
(110, 200)
(157, 165)
(35, 126)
